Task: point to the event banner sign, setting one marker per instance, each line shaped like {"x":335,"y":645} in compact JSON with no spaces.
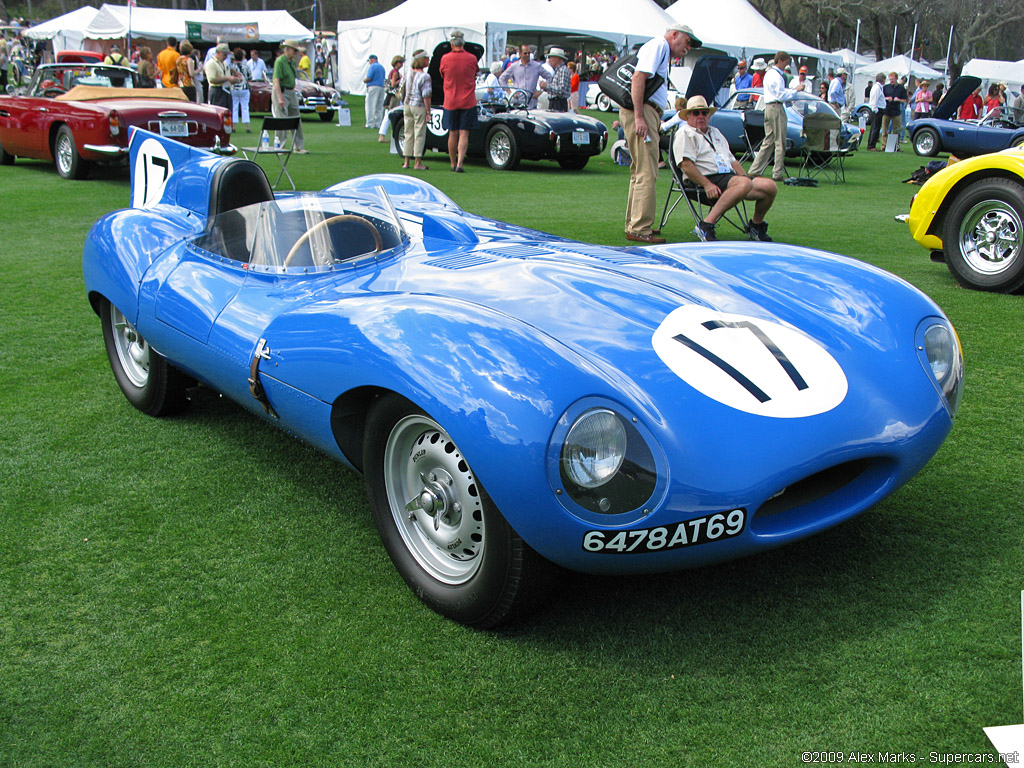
{"x":233,"y":33}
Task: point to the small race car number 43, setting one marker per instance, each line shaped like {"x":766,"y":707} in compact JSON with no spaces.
{"x":700,"y":530}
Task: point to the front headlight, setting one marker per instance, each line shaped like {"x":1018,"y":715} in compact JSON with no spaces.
{"x":605,"y":464}
{"x":942,"y":357}
{"x":594,"y":449}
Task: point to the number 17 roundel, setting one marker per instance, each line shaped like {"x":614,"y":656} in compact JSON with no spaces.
{"x":751,"y":364}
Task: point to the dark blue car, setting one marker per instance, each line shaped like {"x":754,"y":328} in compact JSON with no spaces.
{"x":942,"y":132}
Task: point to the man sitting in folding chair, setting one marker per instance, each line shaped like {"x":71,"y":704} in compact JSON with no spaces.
{"x":704,"y":157}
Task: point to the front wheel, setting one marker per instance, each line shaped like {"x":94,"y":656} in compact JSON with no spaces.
{"x":6,"y":158}
{"x":147,"y":380}
{"x":398,"y":135}
{"x":926,"y":142}
{"x":603,"y":103}
{"x":70,"y":164}
{"x":501,"y":149}
{"x":983,"y":236}
{"x":326,"y":117}
{"x":444,"y":535}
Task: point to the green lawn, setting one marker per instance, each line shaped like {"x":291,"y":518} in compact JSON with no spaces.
{"x":206,"y":591}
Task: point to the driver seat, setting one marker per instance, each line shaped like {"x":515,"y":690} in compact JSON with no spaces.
{"x":237,"y":183}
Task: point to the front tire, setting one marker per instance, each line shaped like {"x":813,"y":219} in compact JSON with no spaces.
{"x":501,"y":149}
{"x":983,"y":236}
{"x":326,"y":117}
{"x":603,"y":103}
{"x":926,"y":142}
{"x":70,"y":164}
{"x":145,"y":377}
{"x":398,"y":135}
{"x":6,"y":158}
{"x":444,"y":535}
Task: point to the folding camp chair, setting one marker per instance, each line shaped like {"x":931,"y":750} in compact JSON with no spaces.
{"x":821,"y":152}
{"x":696,"y":200}
{"x":284,"y":128}
{"x":753,"y":132}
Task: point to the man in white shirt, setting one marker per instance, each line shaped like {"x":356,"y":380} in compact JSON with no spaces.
{"x":775,"y":95}
{"x":876,"y":100}
{"x":257,"y":66}
{"x":704,"y":157}
{"x":641,"y":125}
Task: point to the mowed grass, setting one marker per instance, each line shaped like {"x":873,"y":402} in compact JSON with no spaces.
{"x":206,"y":591}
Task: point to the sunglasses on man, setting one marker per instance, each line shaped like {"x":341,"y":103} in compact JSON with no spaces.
{"x":700,"y":112}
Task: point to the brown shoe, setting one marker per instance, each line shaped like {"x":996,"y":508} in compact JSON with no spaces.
{"x":651,"y":239}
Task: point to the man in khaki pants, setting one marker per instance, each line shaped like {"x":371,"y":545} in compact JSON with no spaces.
{"x":775,"y":95}
{"x":641,"y":127}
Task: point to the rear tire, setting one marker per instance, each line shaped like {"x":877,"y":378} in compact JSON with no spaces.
{"x":443,"y":533}
{"x":501,"y":149}
{"x":145,"y":377}
{"x":983,"y":236}
{"x":70,"y":164}
{"x":6,"y":158}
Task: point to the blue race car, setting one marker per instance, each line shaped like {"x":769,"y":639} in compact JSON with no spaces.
{"x":516,"y":399}
{"x":942,"y":132}
{"x":729,"y":120}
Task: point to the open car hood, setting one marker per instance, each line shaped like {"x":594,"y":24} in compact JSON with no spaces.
{"x":436,"y":81}
{"x":710,"y":73}
{"x":955,"y":96}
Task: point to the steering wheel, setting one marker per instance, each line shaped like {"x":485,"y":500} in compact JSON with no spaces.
{"x":377,"y":241}
{"x":519,"y":98}
{"x":53,"y":90}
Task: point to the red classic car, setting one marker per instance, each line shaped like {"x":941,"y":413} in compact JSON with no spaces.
{"x":78,"y":113}
{"x":314,"y":98}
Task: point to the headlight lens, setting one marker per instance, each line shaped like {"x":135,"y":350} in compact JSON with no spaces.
{"x":594,"y":449}
{"x":606,"y":466}
{"x":944,"y":361}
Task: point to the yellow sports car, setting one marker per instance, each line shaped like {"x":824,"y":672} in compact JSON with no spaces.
{"x":971,"y":215}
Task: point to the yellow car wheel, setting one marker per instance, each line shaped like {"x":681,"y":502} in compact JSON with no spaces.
{"x":983,"y":235}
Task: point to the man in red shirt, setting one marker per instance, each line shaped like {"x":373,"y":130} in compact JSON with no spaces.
{"x":458,"y":70}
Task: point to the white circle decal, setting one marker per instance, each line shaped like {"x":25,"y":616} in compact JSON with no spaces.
{"x":434,"y":122}
{"x":749,"y":363}
{"x":150,"y":174}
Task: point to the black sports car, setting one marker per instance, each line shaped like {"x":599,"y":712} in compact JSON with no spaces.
{"x":508,"y":130}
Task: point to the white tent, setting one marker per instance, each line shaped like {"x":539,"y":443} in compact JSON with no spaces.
{"x":425,"y":23}
{"x":851,"y":59}
{"x":736,"y":27}
{"x":112,"y":23}
{"x":900,"y":64}
{"x":993,"y":71}
{"x":67,"y":31}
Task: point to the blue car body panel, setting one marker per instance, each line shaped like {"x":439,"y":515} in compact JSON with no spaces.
{"x":504,"y":335}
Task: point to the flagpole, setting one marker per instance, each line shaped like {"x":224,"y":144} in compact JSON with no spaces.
{"x":949,"y":50}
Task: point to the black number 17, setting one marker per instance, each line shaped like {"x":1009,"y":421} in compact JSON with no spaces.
{"x":747,"y":384}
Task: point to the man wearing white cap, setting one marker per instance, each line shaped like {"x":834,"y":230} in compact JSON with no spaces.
{"x":557,"y":86}
{"x":641,"y":125}
{"x":704,"y":157}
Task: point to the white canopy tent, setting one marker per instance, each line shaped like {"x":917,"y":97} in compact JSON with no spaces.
{"x":737,"y":28}
{"x":112,"y":23}
{"x":994,"y":71}
{"x":65,"y":32}
{"x":425,"y":23}
{"x":901,"y":65}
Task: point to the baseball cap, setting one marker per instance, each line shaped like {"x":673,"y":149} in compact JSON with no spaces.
{"x":695,"y":42}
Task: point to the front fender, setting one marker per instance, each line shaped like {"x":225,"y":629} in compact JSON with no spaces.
{"x":933,"y":199}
